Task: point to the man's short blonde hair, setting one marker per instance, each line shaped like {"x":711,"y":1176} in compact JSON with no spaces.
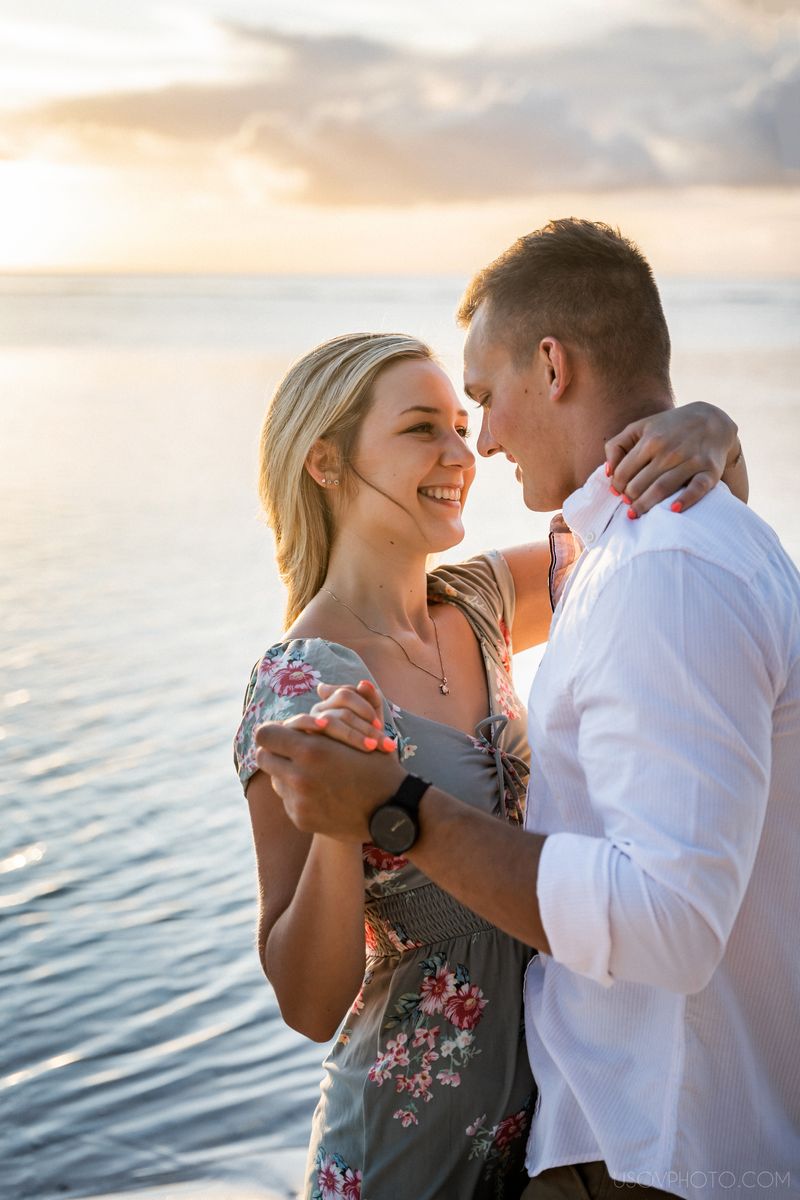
{"x":585,"y":284}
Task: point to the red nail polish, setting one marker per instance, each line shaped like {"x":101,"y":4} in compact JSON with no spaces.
{"x":632,"y":514}
{"x":614,"y":491}
{"x":370,"y":743}
{"x":626,"y":499}
{"x":389,"y":744}
{"x":376,"y":724}
{"x":676,"y":507}
{"x":321,"y":721}
{"x":608,"y":469}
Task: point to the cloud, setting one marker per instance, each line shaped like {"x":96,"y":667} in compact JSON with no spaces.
{"x":352,"y":121}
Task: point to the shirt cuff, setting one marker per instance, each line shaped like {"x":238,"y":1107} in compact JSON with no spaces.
{"x":573,"y":895}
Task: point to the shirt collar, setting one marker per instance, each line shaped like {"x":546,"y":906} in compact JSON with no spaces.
{"x":565,"y":550}
{"x":588,"y":511}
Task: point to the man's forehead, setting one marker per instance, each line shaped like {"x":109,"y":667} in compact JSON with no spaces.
{"x":471,"y":366}
{"x":482,"y":349}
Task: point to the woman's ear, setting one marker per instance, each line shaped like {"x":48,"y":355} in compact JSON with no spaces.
{"x":322,"y":464}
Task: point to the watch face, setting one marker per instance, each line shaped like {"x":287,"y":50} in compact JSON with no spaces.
{"x":392,"y":829}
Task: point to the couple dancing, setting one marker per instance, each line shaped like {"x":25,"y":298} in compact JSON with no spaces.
{"x":649,"y":906}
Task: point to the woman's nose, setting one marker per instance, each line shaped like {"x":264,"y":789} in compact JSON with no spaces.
{"x":458,"y":451}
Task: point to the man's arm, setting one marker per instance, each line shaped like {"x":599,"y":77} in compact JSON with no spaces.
{"x":331,"y":788}
{"x":489,"y":866}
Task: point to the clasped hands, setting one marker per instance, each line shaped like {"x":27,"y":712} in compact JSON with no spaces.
{"x":334,"y":765}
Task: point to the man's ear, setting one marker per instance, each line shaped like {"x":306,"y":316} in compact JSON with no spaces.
{"x":322,"y":464}
{"x":556,"y":361}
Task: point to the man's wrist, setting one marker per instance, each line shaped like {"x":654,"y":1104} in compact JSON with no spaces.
{"x":394,"y":824}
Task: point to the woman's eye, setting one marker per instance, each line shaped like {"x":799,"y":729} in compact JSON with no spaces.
{"x":428,"y":427}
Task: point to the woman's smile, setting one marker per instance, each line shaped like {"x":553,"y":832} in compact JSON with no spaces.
{"x":450,"y":497}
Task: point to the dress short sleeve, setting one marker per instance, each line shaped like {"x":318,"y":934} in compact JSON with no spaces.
{"x":484,"y":587}
{"x":284,"y":683}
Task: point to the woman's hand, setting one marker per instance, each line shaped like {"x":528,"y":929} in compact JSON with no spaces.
{"x":690,"y":447}
{"x":352,"y":715}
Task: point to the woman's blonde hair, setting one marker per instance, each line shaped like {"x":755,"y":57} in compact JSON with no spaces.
{"x":325,"y":394}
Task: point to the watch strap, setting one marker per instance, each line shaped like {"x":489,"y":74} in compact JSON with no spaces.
{"x":400,"y":834}
{"x":409,"y":795}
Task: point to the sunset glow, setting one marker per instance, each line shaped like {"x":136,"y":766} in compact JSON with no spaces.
{"x":334,"y":138}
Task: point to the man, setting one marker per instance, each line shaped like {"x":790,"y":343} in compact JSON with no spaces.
{"x":657,"y":876}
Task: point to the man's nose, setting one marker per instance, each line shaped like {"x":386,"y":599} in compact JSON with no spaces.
{"x":487,"y":446}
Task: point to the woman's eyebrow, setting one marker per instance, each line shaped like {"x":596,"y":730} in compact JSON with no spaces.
{"x":425,"y":408}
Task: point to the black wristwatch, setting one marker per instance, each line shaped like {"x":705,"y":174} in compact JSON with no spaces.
{"x":394,"y":825}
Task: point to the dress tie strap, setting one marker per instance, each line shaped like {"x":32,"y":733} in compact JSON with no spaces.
{"x":512,"y":771}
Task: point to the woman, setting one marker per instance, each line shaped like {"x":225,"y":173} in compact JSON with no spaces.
{"x":364,"y":473}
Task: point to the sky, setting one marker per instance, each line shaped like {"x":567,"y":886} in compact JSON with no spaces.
{"x":322,"y":136}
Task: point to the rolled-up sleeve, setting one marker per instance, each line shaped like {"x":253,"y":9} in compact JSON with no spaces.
{"x":674,"y":694}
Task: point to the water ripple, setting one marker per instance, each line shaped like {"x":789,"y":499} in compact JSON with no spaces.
{"x":23,"y":857}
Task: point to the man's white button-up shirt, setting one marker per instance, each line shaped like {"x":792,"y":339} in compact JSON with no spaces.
{"x":664,"y":720}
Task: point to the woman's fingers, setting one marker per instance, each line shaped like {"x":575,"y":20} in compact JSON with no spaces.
{"x":346,"y":715}
{"x":353,"y":715}
{"x":652,"y":459}
{"x":304,"y":722}
{"x":651,"y":486}
{"x":342,"y":726}
{"x":621,"y":445}
{"x":700,"y":485}
{"x":349,"y":698}
{"x":330,"y":718}
{"x":364,"y":700}
{"x":651,"y":454}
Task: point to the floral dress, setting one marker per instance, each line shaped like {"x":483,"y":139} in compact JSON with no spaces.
{"x":428,"y":1091}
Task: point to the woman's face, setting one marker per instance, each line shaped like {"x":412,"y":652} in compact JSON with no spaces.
{"x":412,"y":449}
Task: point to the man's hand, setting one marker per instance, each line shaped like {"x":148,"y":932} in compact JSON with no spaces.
{"x":325,"y":787}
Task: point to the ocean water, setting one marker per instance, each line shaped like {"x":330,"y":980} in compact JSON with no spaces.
{"x":141,"y":1044}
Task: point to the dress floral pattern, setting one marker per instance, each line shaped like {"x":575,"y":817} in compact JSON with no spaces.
{"x":428,"y":1091}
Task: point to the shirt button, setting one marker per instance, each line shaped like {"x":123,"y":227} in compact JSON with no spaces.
{"x":590,"y":537}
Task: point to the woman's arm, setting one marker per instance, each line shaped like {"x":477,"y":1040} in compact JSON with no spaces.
{"x":311,"y":916}
{"x":530,"y":569}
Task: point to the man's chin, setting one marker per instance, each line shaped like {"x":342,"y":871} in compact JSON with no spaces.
{"x":535,"y":500}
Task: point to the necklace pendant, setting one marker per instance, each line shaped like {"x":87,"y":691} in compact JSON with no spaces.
{"x":444,"y":689}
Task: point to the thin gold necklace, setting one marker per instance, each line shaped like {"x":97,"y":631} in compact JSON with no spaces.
{"x":441,"y":679}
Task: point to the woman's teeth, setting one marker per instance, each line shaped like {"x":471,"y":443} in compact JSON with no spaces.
{"x":439,"y":493}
